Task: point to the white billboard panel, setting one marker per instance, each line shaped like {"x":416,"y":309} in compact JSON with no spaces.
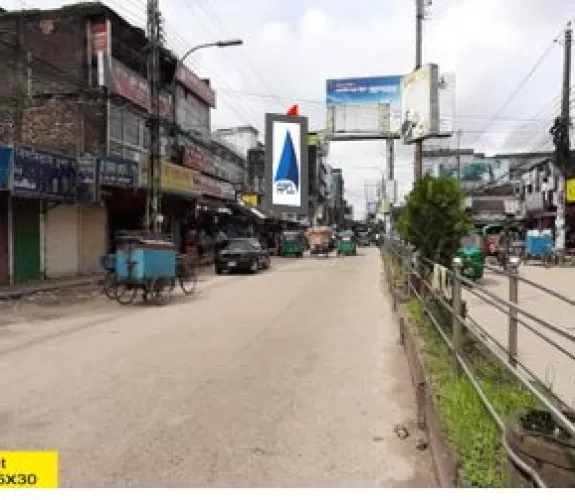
{"x":420,"y":104}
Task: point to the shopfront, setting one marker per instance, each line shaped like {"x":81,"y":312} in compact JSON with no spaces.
{"x":92,"y":218}
{"x":180,"y":190}
{"x":5,"y":214}
{"x":44,"y":224}
{"x":124,"y":202}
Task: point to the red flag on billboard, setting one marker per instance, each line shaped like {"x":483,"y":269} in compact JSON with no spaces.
{"x":294,"y":110}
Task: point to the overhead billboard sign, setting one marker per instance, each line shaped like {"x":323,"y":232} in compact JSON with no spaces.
{"x":286,"y":163}
{"x":420,"y":104}
{"x":364,"y":105}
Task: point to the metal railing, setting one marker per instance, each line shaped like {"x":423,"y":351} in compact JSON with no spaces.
{"x":405,"y":265}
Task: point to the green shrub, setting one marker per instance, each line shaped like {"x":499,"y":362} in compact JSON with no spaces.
{"x":466,"y":423}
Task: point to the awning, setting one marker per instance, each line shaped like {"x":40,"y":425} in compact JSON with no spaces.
{"x":258,"y":214}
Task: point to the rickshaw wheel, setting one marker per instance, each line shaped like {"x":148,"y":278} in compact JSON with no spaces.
{"x":161,"y":291}
{"x":109,"y":285}
{"x":125,"y":294}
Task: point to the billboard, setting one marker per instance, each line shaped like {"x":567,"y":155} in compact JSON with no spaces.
{"x":286,"y":163}
{"x":420,"y":104}
{"x":446,"y":101}
{"x":364,"y":105}
{"x":474,"y":171}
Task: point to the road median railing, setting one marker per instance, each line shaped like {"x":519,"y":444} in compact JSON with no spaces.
{"x":501,"y":424}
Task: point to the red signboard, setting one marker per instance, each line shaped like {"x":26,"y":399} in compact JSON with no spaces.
{"x":216,"y":188}
{"x":100,"y":36}
{"x":127,"y":83}
{"x":198,"y":159}
{"x":196,"y":85}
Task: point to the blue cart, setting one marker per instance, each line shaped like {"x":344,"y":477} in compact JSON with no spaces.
{"x":147,"y":264}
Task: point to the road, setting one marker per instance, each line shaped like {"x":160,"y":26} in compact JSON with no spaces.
{"x":554,"y":368}
{"x":291,"y":377}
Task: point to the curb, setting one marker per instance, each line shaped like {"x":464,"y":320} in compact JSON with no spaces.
{"x":443,"y":455}
{"x":46,"y":286}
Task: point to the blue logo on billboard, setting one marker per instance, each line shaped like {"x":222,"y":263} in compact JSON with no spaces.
{"x":287,"y":174}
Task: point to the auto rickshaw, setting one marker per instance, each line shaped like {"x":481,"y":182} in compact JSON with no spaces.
{"x":292,"y":243}
{"x":319,"y":238}
{"x":346,"y":244}
{"x":472,"y":255}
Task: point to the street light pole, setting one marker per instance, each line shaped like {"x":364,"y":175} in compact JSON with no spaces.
{"x":219,"y":44}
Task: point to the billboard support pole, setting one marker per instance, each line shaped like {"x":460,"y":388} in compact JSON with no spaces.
{"x":418,"y":151}
{"x":390,"y":161}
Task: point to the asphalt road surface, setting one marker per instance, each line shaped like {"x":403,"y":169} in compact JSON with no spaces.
{"x":292,"y":377}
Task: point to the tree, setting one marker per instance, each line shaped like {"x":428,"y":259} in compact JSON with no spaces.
{"x":434,"y":219}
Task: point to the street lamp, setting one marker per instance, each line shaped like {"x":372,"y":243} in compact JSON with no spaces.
{"x":219,"y":44}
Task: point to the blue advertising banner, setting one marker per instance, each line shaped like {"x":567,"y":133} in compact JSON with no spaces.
{"x":6,"y":155}
{"x":40,"y":174}
{"x":86,"y":181}
{"x":366,"y":90}
{"x":118,"y":172}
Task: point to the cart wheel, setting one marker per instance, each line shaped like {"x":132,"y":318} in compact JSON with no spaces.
{"x":188,"y":278}
{"x":109,"y":285}
{"x":125,"y":294}
{"x":161,"y":291}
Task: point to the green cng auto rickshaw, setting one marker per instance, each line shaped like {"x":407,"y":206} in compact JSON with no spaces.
{"x":472,"y":255}
{"x":346,"y":244}
{"x":292,"y":243}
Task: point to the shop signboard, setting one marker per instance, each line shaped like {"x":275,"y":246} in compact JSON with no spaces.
{"x":250,"y":199}
{"x":198,"y":158}
{"x":40,"y":174}
{"x":196,"y":85}
{"x":86,"y":183}
{"x":569,"y":190}
{"x":6,"y":156}
{"x":177,"y":179}
{"x":135,"y":88}
{"x":118,"y":172}
{"x":216,"y":188}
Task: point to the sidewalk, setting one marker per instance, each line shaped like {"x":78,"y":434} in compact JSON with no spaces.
{"x":14,"y":292}
{"x":11,"y":292}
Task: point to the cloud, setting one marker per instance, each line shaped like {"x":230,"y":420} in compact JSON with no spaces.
{"x":291,"y":48}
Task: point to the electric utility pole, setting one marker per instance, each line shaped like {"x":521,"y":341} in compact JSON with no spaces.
{"x":419,"y":16}
{"x":560,"y":132}
{"x":155,"y":170}
{"x":390,"y":174}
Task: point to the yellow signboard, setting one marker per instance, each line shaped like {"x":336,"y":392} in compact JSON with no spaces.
{"x":28,"y":469}
{"x":570,"y":190}
{"x":312,"y":139}
{"x":251,"y":200}
{"x":174,"y":178}
{"x":384,"y":207}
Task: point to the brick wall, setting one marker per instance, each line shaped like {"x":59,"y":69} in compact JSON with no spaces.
{"x":53,"y":51}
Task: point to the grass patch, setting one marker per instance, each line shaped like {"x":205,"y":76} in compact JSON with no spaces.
{"x":464,"y":420}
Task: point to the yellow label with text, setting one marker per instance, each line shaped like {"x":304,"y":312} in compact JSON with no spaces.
{"x":28,"y":469}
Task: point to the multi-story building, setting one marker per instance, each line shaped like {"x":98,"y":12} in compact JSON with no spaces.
{"x":338,"y":196}
{"x":76,"y":100}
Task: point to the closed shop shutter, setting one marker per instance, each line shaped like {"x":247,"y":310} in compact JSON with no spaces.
{"x":61,"y":250}
{"x":93,"y":237}
{"x":26,"y":240}
{"x":4,"y":235}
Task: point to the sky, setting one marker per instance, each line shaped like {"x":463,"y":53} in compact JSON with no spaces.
{"x":508,"y":67}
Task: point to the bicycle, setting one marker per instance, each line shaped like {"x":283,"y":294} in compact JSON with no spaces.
{"x":186,"y":274}
{"x":110,"y":282}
